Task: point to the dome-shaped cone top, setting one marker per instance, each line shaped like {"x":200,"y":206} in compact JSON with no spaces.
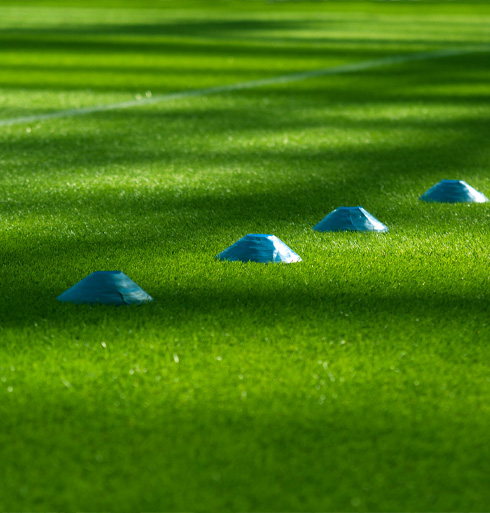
{"x":350,"y":219}
{"x":259,"y":248}
{"x":106,"y":288}
{"x":453,"y":191}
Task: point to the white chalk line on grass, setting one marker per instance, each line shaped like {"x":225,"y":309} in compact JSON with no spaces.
{"x":284,"y":79}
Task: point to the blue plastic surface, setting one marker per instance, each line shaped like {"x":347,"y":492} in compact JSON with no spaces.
{"x":350,"y":219}
{"x":259,"y":248}
{"x":107,"y":288}
{"x":453,"y":191}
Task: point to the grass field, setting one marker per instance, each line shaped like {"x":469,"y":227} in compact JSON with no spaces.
{"x":356,"y":380}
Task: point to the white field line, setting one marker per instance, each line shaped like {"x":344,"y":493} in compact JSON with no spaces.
{"x":284,"y":79}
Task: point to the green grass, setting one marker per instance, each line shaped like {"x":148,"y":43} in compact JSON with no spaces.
{"x":356,"y":380}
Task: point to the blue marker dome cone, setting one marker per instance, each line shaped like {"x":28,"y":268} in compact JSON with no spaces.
{"x":259,"y":248}
{"x":350,"y":219}
{"x":453,"y":191}
{"x":106,"y":288}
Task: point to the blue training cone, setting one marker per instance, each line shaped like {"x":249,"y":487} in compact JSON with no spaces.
{"x":453,"y":191}
{"x":106,"y":288}
{"x":259,"y":248}
{"x":350,"y":219}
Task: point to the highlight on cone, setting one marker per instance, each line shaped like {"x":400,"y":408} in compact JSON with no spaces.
{"x":105,"y":288}
{"x":259,"y":248}
{"x":350,"y":219}
{"x":453,"y":191}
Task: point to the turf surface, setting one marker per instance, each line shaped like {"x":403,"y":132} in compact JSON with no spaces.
{"x":356,"y":380}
